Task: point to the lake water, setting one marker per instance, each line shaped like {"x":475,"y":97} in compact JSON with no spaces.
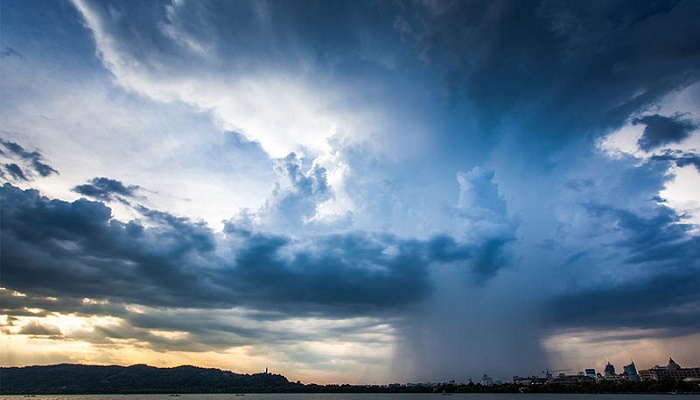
{"x":379,"y":396}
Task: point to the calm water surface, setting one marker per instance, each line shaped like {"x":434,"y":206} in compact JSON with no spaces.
{"x":421,"y":396}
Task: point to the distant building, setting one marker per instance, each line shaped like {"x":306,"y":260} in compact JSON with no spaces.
{"x":609,"y":370}
{"x":610,"y":375}
{"x":630,"y":373}
{"x":672,"y":365}
{"x":590,"y":372}
{"x":486,"y":380}
{"x":671,"y":371}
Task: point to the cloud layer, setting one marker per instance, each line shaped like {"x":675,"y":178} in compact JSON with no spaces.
{"x":56,"y":248}
{"x":385,"y":191}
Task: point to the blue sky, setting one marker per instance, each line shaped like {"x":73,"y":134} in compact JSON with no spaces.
{"x":359,"y":192}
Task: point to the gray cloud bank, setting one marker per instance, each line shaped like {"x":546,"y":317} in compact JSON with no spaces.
{"x":662,"y":295}
{"x":57,"y":248}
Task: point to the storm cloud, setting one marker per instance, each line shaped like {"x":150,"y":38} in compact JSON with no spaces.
{"x":679,"y":157}
{"x":56,"y":248}
{"x":660,"y":130}
{"x":661,"y":293}
{"x":391,"y":190}
{"x":30,"y":160}
{"x":105,"y":189}
{"x":516,"y":61}
{"x":16,"y":172}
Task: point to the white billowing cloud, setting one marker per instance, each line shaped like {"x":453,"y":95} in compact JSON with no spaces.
{"x":282,"y":110}
{"x":305,"y":197}
{"x":286,"y":107}
{"x":622,"y":142}
{"x":297,"y":194}
{"x":680,"y":191}
{"x":481,"y":208}
{"x":85,"y":128}
{"x":340,"y":206}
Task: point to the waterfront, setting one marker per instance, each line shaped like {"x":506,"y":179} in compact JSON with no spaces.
{"x":368,"y":396}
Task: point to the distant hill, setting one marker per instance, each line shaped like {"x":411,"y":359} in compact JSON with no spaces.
{"x":76,"y":378}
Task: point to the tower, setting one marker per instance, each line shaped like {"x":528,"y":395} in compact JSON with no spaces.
{"x":672,"y":365}
{"x":609,"y":370}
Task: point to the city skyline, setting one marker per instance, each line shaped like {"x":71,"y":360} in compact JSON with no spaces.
{"x":357,"y":192}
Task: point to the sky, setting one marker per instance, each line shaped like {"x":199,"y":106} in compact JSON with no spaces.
{"x":350,"y":191}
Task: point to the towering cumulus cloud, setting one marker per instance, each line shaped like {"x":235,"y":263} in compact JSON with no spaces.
{"x":351,"y":191}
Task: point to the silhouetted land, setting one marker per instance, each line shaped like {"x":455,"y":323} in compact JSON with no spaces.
{"x":89,"y":379}
{"x":72,"y":378}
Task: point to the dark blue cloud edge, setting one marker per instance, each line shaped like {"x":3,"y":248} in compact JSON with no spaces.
{"x":660,"y":130}
{"x":595,"y":63}
{"x":33,"y":161}
{"x":664,"y":294}
{"x":106,"y":189}
{"x":77,"y":250}
{"x":679,"y":157}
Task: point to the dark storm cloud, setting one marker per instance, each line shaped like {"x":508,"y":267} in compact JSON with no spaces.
{"x":660,"y":130}
{"x":347,"y":273}
{"x":667,"y":301}
{"x":590,"y":62}
{"x":491,"y":256}
{"x":33,"y":158}
{"x":76,"y":250}
{"x":319,"y":34}
{"x":541,"y":71}
{"x":105,"y":189}
{"x":680,"y":158}
{"x":662,"y":293}
{"x":18,"y":150}
{"x":43,"y":169}
{"x":662,"y":238}
{"x":445,"y":249}
{"x":553,"y":70}
{"x":16,"y":172}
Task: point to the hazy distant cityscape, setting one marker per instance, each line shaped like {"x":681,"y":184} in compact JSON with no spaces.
{"x":671,"y":371}
{"x":140,"y":378}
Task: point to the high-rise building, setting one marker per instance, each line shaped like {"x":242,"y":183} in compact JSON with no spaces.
{"x":486,"y":380}
{"x":609,"y":370}
{"x":630,"y":372}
